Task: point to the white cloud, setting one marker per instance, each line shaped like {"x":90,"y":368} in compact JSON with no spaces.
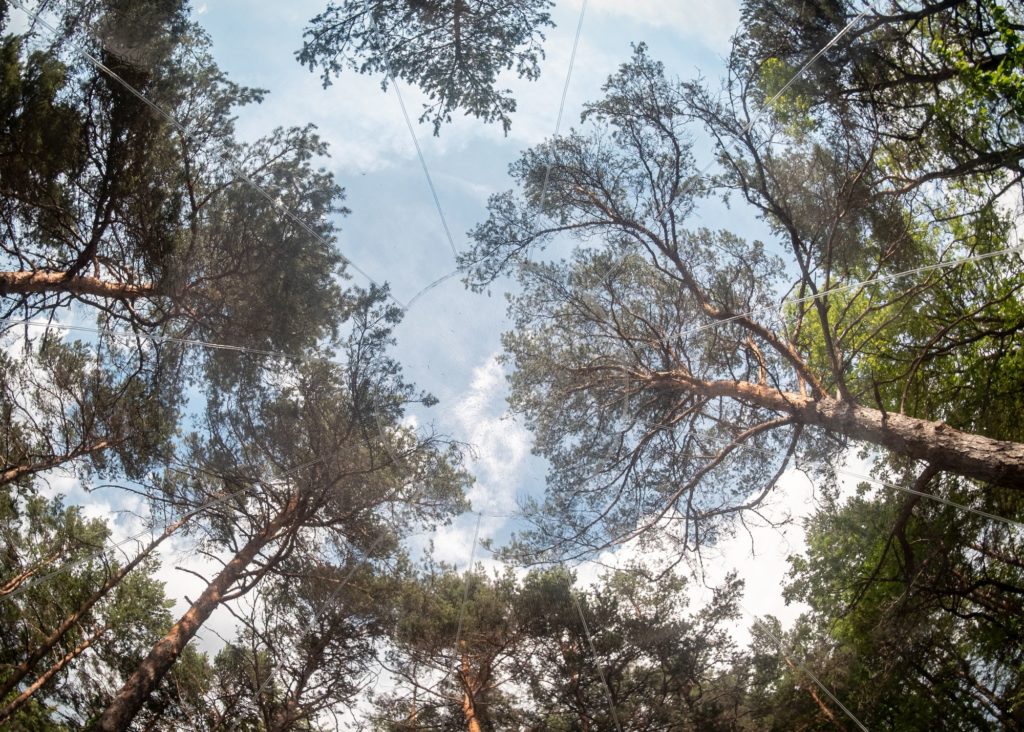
{"x":500,"y":444}
{"x":499,"y":449}
{"x":757,"y":550}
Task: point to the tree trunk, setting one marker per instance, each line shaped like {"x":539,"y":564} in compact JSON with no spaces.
{"x":57,"y":281}
{"x":817,"y":699}
{"x":468,"y":697}
{"x":972,"y":456}
{"x":132,"y":695}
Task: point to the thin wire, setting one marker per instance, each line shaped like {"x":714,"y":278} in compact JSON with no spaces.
{"x":806,"y":65}
{"x":190,"y":470}
{"x":853,"y":286}
{"x":150,"y":337}
{"x":412,"y":131}
{"x":561,"y":106}
{"x":235,"y":167}
{"x":597,"y":661}
{"x":715,"y":324}
{"x":796,"y":662}
{"x":686,"y":332}
{"x":940,"y":499}
{"x":431,"y":286}
{"x":769,"y":102}
{"x":465,"y":591}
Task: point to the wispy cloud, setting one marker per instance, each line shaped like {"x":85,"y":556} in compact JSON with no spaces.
{"x":499,"y":448}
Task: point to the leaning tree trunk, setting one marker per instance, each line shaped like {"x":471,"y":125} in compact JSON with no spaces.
{"x":973,"y":456}
{"x":33,"y":281}
{"x":132,"y":695}
{"x":52,"y":671}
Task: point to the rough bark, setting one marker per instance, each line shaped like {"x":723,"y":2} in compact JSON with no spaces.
{"x":132,"y":695}
{"x":35,"y":281}
{"x":973,"y":456}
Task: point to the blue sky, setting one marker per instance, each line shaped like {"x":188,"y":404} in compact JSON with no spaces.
{"x":450,"y":337}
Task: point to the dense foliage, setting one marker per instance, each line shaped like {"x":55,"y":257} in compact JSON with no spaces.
{"x":176,"y":343}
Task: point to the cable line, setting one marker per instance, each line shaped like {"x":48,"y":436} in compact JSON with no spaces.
{"x":597,"y":661}
{"x":408,"y":125}
{"x":561,"y":105}
{"x":127,"y":334}
{"x":932,"y":496}
{"x":796,"y":662}
{"x":465,"y":592}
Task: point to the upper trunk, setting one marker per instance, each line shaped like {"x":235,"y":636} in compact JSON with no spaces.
{"x":132,"y":695}
{"x":58,"y":281}
{"x":948,"y":449}
{"x":470,"y":688}
{"x":52,"y":671}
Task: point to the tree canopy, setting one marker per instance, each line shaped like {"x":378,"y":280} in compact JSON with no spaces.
{"x":671,"y":372}
{"x":453,"y":50}
{"x":237,"y":400}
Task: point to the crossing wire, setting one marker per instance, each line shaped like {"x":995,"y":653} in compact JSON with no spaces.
{"x":945,"y":501}
{"x":597,"y":661}
{"x":810,"y":674}
{"x":465,"y":589}
{"x":561,"y":105}
{"x":408,"y":125}
{"x":686,"y":332}
{"x":390,"y":448}
{"x":130,"y":335}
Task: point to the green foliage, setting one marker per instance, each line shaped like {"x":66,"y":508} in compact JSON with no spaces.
{"x":921,"y":605}
{"x":41,"y":136}
{"x":524,"y":660}
{"x":52,"y":566}
{"x":939,"y":84}
{"x":63,"y":408}
{"x":121,"y":195}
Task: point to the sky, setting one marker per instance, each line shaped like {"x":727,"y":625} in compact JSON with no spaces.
{"x":449,"y":341}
